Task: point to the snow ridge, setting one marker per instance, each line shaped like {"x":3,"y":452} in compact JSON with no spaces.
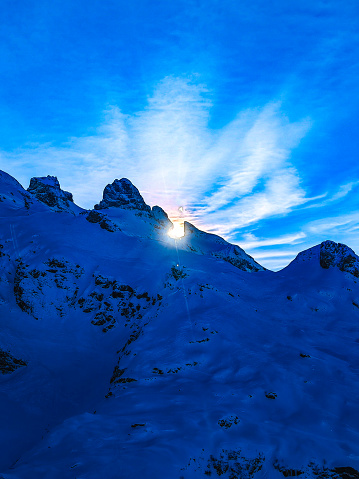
{"x":209,"y":244}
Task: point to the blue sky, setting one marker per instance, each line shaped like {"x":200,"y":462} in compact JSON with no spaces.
{"x":243,"y":112}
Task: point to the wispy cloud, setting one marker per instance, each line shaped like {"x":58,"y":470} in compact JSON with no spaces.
{"x":251,"y":241}
{"x":224,"y":179}
{"x":329,"y":198}
{"x":332,"y":225}
{"x":344,"y":190}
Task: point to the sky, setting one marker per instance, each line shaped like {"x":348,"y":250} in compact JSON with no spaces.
{"x":243,"y":113}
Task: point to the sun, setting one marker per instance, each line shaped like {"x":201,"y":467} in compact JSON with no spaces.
{"x":177,"y":231}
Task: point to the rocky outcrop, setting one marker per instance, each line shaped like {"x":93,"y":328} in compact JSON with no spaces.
{"x":338,"y":255}
{"x":330,"y":255}
{"x":234,"y":465}
{"x":47,"y":190}
{"x":122,"y":194}
{"x":9,"y":363}
{"x":48,"y":290}
{"x":101,"y":219}
{"x":346,"y":472}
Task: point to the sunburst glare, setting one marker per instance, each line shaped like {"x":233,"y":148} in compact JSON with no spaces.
{"x":177,"y":231}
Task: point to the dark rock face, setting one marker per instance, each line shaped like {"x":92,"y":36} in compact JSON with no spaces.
{"x":320,"y":472}
{"x":19,"y":290}
{"x":56,"y":274}
{"x":234,"y":465}
{"x":9,"y":363}
{"x":346,"y":472}
{"x":97,"y":217}
{"x":338,"y":255}
{"x":122,"y":194}
{"x":271,"y":395}
{"x":47,"y":190}
{"x":227,"y":422}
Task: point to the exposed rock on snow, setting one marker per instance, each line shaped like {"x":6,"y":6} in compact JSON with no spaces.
{"x":330,"y":255}
{"x":122,"y":194}
{"x":9,"y":363}
{"x":234,"y":465}
{"x":124,"y":203}
{"x":47,"y":190}
{"x":228,"y":421}
{"x":319,"y":472}
{"x":105,"y":223}
{"x":339,"y":255}
{"x":209,"y":244}
{"x":346,"y":472}
{"x":48,"y":290}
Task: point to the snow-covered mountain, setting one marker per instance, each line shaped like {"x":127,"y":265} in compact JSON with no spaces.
{"x":209,"y":244}
{"x":125,"y":353}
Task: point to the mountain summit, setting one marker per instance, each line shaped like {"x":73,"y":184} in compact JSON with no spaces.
{"x":329,"y":255}
{"x":122,"y":194}
{"x":47,"y":190}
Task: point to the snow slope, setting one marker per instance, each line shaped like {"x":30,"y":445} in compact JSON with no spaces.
{"x":209,"y":244}
{"x":127,"y":354}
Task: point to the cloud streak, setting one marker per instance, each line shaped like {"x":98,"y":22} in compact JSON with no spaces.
{"x":252,"y":241}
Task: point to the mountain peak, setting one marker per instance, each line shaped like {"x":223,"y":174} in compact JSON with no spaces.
{"x":12,"y":194}
{"x":6,"y":179}
{"x":122,"y":194}
{"x":191,"y":230}
{"x":45,"y":180}
{"x":47,"y":190}
{"x":330,"y":254}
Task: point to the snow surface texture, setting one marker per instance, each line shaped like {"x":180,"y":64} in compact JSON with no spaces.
{"x":125,"y":353}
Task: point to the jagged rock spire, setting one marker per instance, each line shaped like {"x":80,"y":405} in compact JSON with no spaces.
{"x":47,"y":190}
{"x":122,"y":194}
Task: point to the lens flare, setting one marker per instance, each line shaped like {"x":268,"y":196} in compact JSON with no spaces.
{"x":177,"y":231}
